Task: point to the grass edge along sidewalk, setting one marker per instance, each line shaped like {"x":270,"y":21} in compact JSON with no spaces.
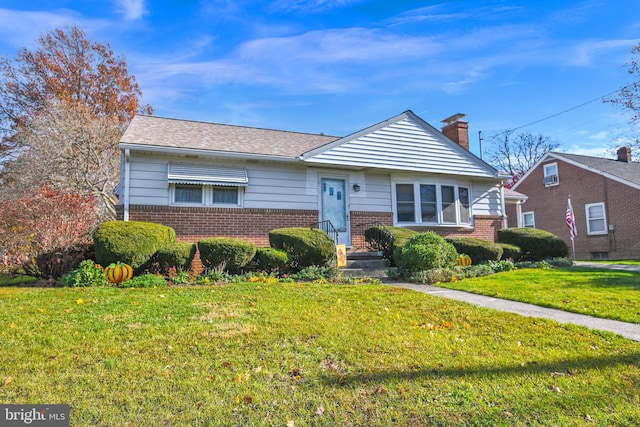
{"x":597,"y":292}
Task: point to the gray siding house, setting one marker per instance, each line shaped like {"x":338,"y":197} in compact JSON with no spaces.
{"x":207,"y":179}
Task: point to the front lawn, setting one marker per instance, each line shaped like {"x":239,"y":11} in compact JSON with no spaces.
{"x":610,"y":294}
{"x":305,"y":354}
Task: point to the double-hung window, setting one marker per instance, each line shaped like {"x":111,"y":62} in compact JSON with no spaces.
{"x":550,"y":174}
{"x":528,"y":220}
{"x":432,"y":204}
{"x":596,"y":218}
{"x":206,"y":185}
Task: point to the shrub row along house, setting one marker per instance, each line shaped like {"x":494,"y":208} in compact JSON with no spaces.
{"x":605,"y":196}
{"x":206,"y":179}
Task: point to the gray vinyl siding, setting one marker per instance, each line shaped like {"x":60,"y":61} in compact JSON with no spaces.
{"x":485,"y":199}
{"x":290,"y":186}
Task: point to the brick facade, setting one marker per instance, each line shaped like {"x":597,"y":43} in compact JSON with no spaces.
{"x":549,"y":205}
{"x":195,"y":223}
{"x":485,"y":227}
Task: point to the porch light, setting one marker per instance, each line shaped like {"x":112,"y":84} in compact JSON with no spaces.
{"x":356,"y":187}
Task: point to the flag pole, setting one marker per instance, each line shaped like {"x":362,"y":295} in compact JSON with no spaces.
{"x":571,"y":223}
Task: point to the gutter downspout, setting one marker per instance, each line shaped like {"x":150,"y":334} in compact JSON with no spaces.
{"x":127,"y":173}
{"x":502,"y":206}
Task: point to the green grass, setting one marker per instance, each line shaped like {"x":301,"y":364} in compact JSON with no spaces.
{"x":306,"y":355}
{"x":611,"y":294}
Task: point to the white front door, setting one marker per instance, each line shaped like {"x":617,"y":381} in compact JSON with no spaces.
{"x":334,"y":207}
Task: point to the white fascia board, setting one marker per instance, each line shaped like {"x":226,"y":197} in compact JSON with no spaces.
{"x":204,"y":153}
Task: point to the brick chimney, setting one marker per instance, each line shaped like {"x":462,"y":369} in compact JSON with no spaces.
{"x":457,"y":129}
{"x":624,"y":154}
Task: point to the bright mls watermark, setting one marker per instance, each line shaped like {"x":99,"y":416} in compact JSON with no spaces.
{"x":34,"y":415}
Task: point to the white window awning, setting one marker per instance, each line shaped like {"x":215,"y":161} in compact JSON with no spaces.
{"x":207,"y":175}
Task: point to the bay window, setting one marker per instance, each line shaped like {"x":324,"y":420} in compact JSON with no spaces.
{"x":439,"y":204}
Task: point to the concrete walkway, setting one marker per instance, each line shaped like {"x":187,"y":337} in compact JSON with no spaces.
{"x":610,"y":265}
{"x":627,"y":330}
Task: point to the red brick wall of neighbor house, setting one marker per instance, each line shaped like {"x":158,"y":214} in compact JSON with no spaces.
{"x":549,"y":205}
{"x":512,"y":215}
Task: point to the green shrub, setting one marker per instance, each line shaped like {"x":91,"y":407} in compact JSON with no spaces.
{"x":316,"y":272}
{"x":305,"y":246}
{"x":131,"y":242}
{"x":88,"y":273}
{"x":178,"y":255}
{"x":502,"y":265}
{"x":425,"y":251}
{"x":145,"y":281}
{"x":535,"y":244}
{"x":272,"y":260}
{"x":479,"y":250}
{"x":226,"y":253}
{"x":379,"y":240}
{"x":511,"y":252}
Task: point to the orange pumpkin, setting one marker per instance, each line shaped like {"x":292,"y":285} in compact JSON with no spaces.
{"x":118,"y":272}
{"x":464,"y":260}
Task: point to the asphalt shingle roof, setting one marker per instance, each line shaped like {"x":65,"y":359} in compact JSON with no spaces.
{"x":174,"y":133}
{"x":628,"y":171}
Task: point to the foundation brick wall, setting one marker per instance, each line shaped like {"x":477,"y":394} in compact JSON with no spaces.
{"x":622,"y":208}
{"x":485,"y":227}
{"x":195,"y":223}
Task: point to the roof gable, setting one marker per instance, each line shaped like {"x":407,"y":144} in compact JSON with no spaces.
{"x":405,"y":142}
{"x":624,"y":172}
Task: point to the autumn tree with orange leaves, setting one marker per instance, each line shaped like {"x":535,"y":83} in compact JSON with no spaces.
{"x":63,"y":108}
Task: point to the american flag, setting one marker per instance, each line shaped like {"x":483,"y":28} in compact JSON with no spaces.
{"x":571,"y":221}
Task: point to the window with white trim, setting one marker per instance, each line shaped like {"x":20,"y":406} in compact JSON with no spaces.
{"x":550,"y":174}
{"x":205,"y":195}
{"x":187,"y":193}
{"x":596,"y":218}
{"x":528,"y":220}
{"x":432,"y":204}
{"x":206,"y":185}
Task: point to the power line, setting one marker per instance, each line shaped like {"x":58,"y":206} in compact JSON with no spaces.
{"x":569,"y":109}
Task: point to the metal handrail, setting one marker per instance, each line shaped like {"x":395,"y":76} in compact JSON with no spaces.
{"x":377,"y":236}
{"x":328,"y":228}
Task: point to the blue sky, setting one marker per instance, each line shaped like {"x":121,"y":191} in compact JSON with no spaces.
{"x":337,"y":66}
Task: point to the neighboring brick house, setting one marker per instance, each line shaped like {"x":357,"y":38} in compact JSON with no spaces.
{"x":207,"y":179}
{"x":605,"y":195}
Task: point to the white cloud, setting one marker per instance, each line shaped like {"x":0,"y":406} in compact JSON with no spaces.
{"x":310,"y":6}
{"x":600,"y":135}
{"x":131,"y":9}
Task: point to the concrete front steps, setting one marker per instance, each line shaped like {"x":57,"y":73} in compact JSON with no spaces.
{"x":366,"y":264}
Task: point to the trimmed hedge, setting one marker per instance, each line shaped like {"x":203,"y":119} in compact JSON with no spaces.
{"x":305,"y":246}
{"x":131,"y":242}
{"x":535,"y":244}
{"x":271,"y":260}
{"x":377,"y":238}
{"x":479,"y":250}
{"x":179,"y":255}
{"x":510,"y":251}
{"x":229,"y":253}
{"x":425,"y":251}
